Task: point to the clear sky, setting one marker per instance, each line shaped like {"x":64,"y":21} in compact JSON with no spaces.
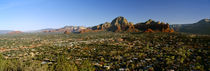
{"x":25,"y":15}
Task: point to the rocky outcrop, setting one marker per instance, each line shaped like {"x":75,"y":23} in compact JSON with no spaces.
{"x":15,"y":32}
{"x":154,"y":26}
{"x":104,"y":26}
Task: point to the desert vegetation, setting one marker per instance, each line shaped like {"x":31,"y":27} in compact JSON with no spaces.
{"x":104,"y":51}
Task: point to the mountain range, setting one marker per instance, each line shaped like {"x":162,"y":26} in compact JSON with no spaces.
{"x":121,"y":24}
{"x":5,"y":31}
{"x":200,"y":27}
{"x":66,"y":28}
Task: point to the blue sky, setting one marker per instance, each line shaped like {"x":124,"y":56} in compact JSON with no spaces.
{"x":26,"y":15}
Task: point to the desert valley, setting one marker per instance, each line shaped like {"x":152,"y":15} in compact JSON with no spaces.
{"x":119,"y":45}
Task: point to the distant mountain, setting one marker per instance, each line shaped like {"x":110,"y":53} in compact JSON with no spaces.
{"x":204,"y":21}
{"x":65,"y":29}
{"x":120,"y":24}
{"x":4,"y":31}
{"x":15,"y":32}
{"x":201,"y":27}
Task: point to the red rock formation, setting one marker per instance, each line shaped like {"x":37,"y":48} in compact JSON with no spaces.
{"x":120,"y":24}
{"x":15,"y":32}
{"x":104,"y":26}
{"x":154,"y":26}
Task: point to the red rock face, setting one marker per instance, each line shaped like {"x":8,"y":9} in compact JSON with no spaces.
{"x":118,"y":29}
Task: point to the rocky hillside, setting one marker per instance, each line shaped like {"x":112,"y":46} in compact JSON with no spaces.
{"x":66,"y":29}
{"x":201,"y":27}
{"x":120,"y":24}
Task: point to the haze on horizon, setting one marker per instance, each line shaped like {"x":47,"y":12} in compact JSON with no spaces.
{"x":26,"y":15}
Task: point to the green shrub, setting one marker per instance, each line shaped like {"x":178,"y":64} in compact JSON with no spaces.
{"x":63,"y":65}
